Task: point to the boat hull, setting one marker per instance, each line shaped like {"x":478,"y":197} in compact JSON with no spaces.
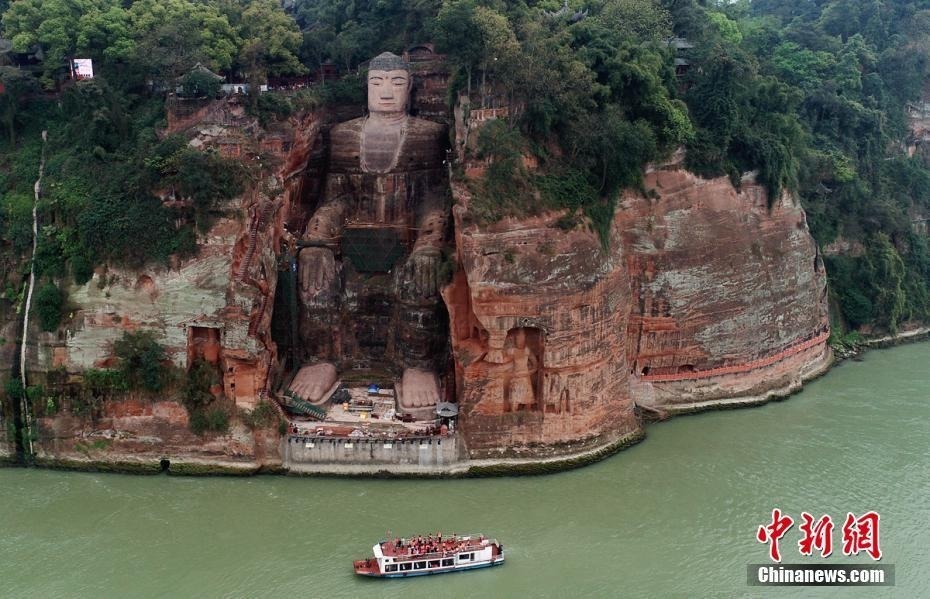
{"x":449,"y":570}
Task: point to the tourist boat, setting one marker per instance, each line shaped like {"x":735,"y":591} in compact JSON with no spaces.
{"x":420,"y":556}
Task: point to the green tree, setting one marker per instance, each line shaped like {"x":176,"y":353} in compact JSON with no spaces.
{"x":200,"y":83}
{"x":142,"y":360}
{"x":640,"y":20}
{"x":728,"y":29}
{"x":106,"y":33}
{"x":886,"y":273}
{"x":50,"y":301}
{"x":64,"y":28}
{"x":452,"y":30}
{"x":174,"y":35}
{"x":17,"y":87}
{"x":270,"y":41}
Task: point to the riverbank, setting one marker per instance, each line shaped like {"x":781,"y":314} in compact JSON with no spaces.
{"x":910,"y":336}
{"x":460,"y":468}
{"x":470,"y":468}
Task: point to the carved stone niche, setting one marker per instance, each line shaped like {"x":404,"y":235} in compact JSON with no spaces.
{"x":203,"y":343}
{"x":523,"y":364}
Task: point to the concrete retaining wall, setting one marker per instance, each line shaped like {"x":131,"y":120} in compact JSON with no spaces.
{"x":414,"y":452}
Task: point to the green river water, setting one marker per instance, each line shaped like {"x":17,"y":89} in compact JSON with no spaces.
{"x":674,"y":516}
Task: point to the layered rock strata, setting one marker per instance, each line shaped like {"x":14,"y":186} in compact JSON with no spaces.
{"x":538,"y":321}
{"x":713,"y":295}
{"x":724,"y":288}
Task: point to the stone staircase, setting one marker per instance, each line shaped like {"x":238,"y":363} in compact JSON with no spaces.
{"x":262,"y":218}
{"x":303,"y":407}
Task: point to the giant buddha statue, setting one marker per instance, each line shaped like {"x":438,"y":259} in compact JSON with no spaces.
{"x":369,"y":267}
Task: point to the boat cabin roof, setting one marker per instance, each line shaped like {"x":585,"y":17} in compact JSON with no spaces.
{"x":401,"y":549}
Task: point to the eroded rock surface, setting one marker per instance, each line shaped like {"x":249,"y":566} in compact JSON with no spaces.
{"x":705,"y":294}
{"x":538,"y":321}
{"x":717,"y":278}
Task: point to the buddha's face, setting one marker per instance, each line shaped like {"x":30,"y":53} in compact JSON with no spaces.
{"x":388,"y":91}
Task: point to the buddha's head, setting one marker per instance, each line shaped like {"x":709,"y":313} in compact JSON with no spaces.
{"x":389,"y":84}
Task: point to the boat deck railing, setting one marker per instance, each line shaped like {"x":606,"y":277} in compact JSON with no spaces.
{"x":471,"y":545}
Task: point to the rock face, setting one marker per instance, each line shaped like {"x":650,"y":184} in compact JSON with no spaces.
{"x":718,"y":280}
{"x":538,"y":321}
{"x":218,"y":302}
{"x":216,"y":305}
{"x":704,"y":295}
{"x":148,"y":432}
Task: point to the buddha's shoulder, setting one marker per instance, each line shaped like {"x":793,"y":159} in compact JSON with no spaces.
{"x":425,"y":128}
{"x":431,"y":137}
{"x":351,"y":128}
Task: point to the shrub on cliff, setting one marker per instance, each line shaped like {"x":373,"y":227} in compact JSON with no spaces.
{"x":143,"y":361}
{"x":205,"y":412}
{"x":212,"y":419}
{"x":263,"y":416}
{"x":271,"y":107}
{"x":50,"y":301}
{"x":105,"y":383}
{"x":200,"y":378}
{"x":200,"y":83}
{"x":350,"y":90}
{"x":204,"y":178}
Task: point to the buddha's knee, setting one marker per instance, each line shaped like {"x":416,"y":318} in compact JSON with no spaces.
{"x":316,"y":274}
{"x":420,"y":277}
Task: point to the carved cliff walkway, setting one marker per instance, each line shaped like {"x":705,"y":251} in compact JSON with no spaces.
{"x":261,"y":219}
{"x":740,"y":368}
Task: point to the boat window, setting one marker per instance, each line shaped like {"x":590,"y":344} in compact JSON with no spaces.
{"x":406,"y":566}
{"x":419,"y":565}
{"x":464,"y":557}
{"x":390,"y":568}
{"x":434,"y":564}
{"x":448,"y":562}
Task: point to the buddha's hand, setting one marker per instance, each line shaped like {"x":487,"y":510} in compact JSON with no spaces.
{"x":419,"y":277}
{"x":316,"y":274}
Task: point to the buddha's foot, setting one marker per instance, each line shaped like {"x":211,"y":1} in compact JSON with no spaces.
{"x":420,"y":388}
{"x":312,"y":382}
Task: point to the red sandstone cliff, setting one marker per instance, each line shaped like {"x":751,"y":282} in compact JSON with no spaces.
{"x":705,"y":294}
{"x":724,"y":289}
{"x":568,"y":300}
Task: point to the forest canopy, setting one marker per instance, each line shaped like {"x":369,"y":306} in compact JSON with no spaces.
{"x":812,"y":95}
